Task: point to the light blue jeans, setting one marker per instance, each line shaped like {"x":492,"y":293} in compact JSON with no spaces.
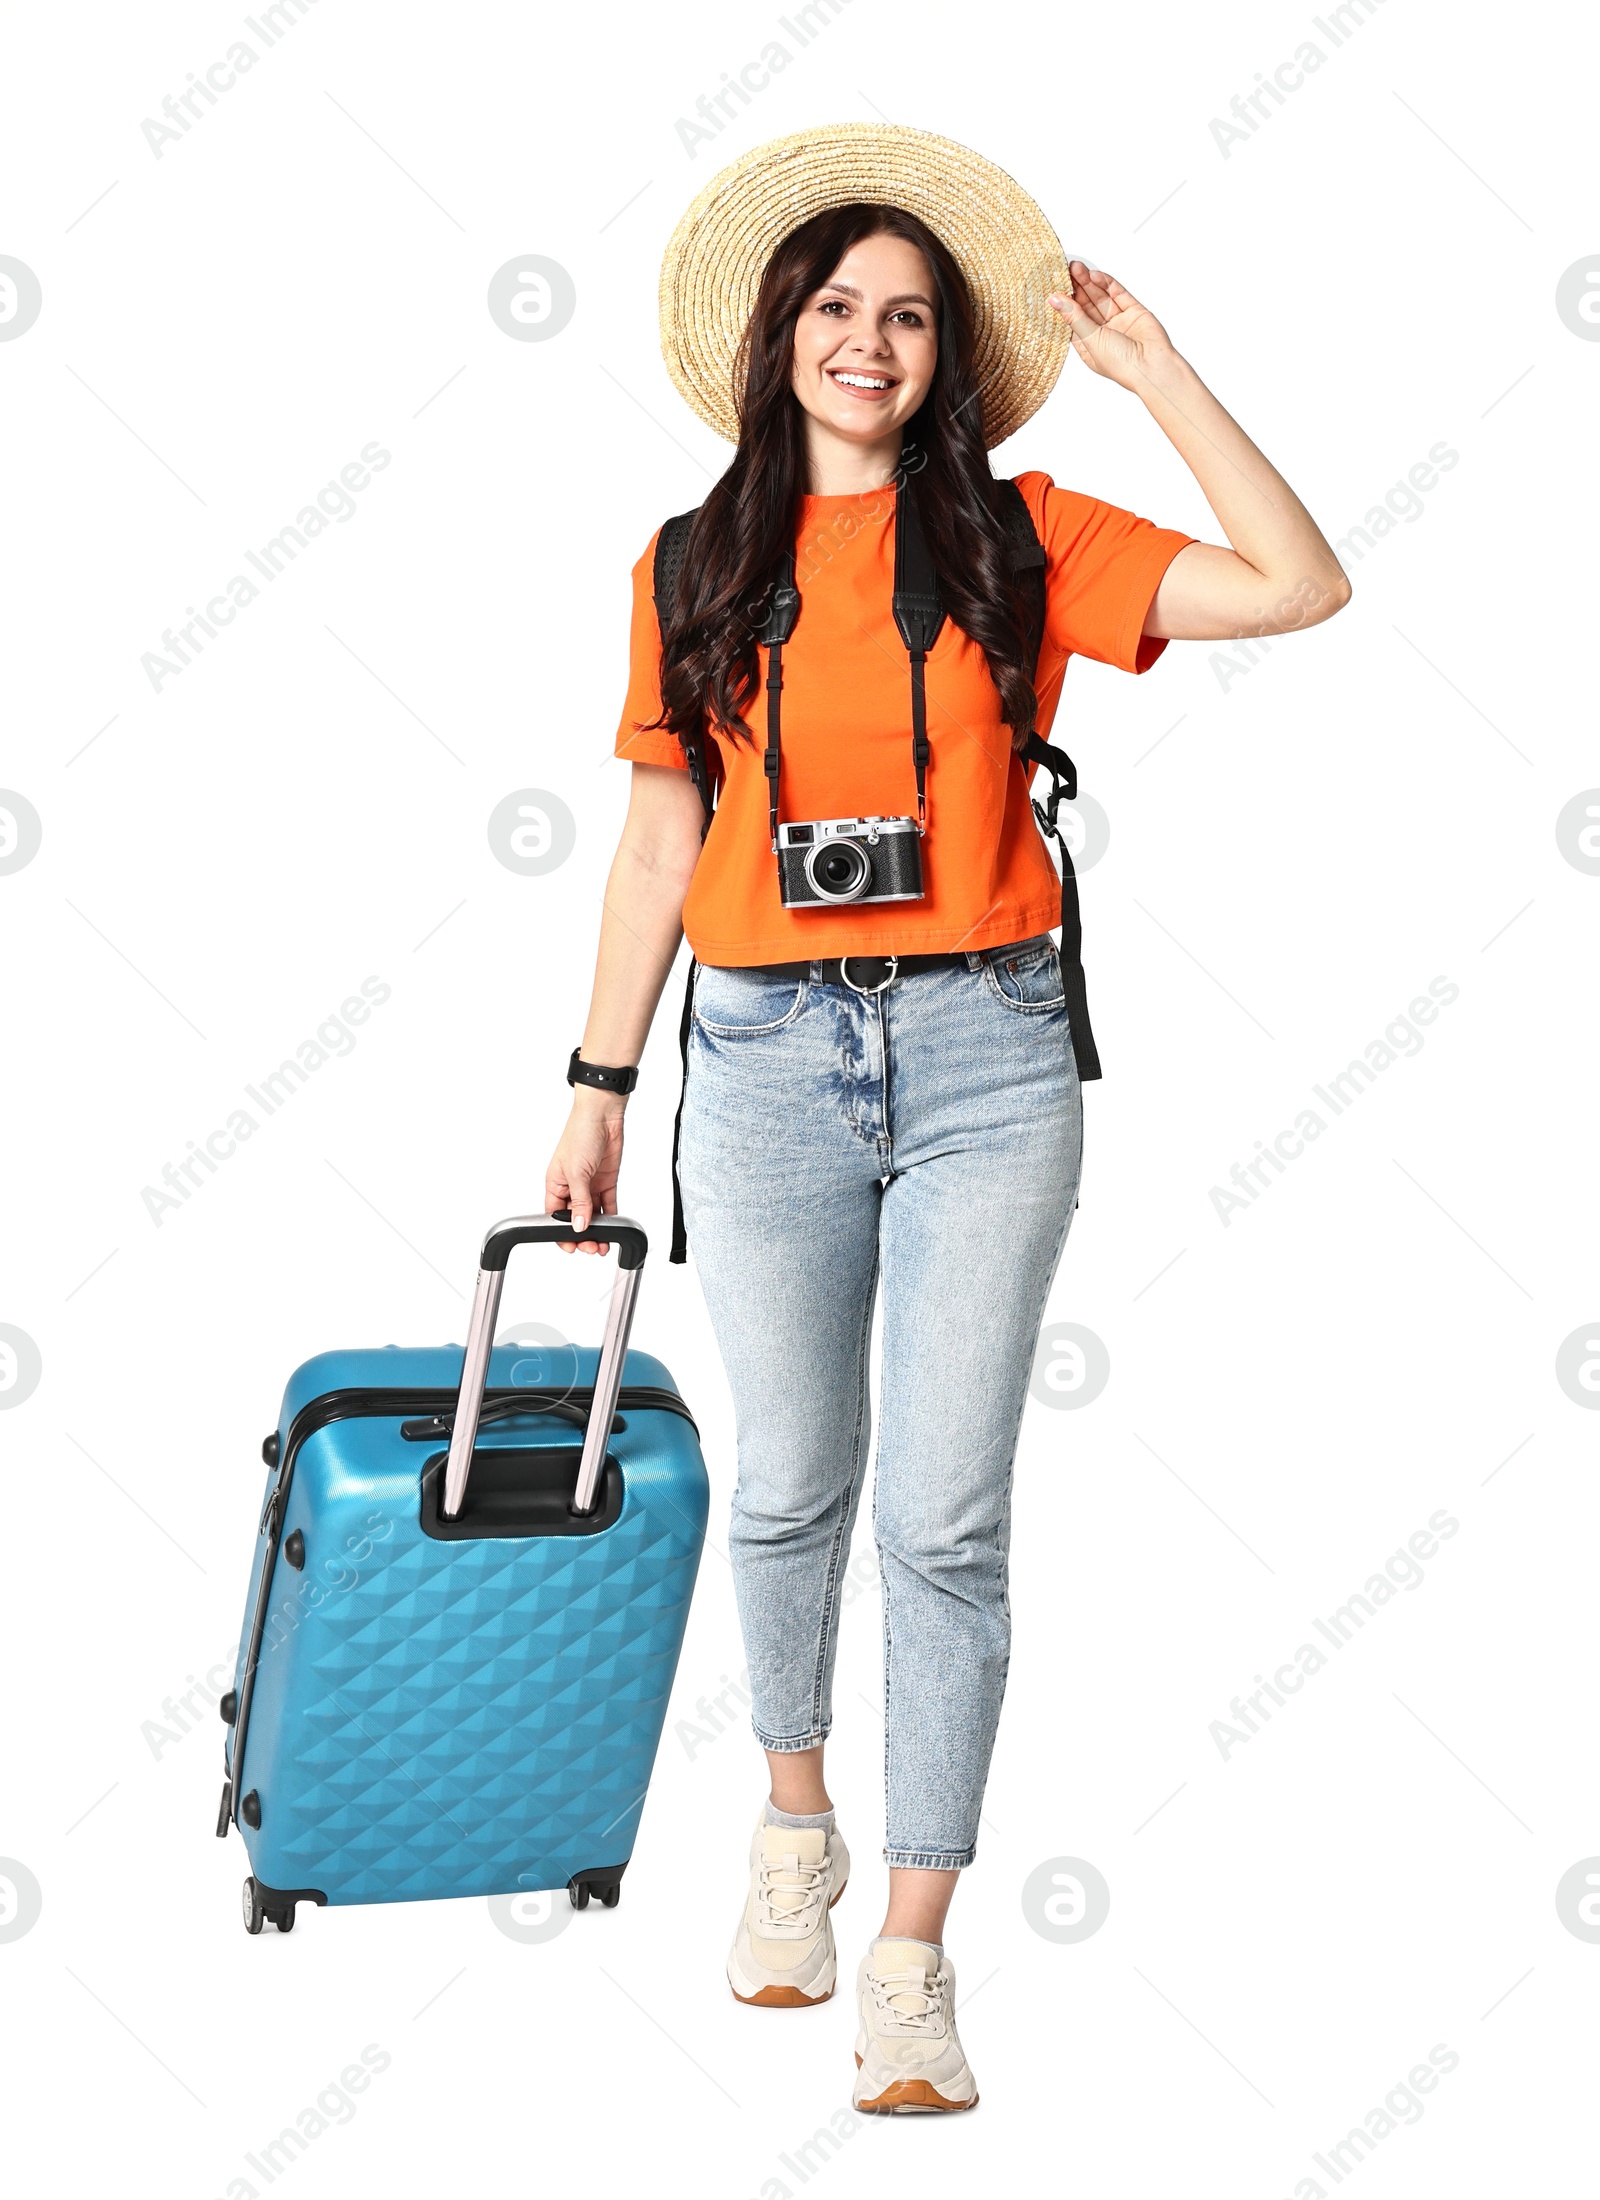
{"x":931,"y":1135}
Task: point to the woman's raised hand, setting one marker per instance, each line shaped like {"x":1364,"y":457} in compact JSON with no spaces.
{"x":1111,"y":331}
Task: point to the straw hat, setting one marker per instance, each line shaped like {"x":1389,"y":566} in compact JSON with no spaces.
{"x":1009,"y":254}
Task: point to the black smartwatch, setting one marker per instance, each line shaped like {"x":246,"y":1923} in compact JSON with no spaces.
{"x":580,"y":1072}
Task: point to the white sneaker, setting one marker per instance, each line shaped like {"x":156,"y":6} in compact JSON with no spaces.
{"x":907,"y":2048}
{"x":782,"y":1955}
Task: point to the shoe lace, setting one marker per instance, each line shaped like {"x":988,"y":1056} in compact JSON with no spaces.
{"x":909,"y":1999}
{"x":789,"y":1894}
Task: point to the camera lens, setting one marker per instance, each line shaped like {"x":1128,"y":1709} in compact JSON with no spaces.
{"x":838,"y":870}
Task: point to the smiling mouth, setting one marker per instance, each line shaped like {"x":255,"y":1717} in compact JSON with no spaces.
{"x":862,"y":385}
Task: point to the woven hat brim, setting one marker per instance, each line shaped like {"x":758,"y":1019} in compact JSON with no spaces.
{"x":995,"y":232}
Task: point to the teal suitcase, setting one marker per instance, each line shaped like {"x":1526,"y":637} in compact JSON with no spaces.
{"x":471,"y":1578}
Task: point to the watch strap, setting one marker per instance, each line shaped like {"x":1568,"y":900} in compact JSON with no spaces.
{"x":580,"y":1072}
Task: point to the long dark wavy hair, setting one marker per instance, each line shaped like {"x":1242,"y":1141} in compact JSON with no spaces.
{"x":709,"y":665}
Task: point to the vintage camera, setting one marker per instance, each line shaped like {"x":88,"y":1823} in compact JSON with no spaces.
{"x":849,"y":859}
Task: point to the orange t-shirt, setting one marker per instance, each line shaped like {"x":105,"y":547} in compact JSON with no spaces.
{"x":987,"y":875}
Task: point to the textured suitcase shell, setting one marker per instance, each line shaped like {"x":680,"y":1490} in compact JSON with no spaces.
{"x":465,"y":1717}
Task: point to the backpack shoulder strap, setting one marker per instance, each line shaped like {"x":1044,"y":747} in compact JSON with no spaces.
{"x":1017,"y":520}
{"x":671,"y":545}
{"x":1027,"y":562}
{"x":918,"y":612}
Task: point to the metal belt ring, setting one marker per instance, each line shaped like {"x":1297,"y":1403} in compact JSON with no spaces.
{"x":869,"y":992}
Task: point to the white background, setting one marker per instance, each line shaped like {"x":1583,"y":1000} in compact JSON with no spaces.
{"x":1371,"y":273}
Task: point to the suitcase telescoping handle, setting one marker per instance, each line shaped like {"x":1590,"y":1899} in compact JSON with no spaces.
{"x":555,"y":1229}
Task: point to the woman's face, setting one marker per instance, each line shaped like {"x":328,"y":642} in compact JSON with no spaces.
{"x":866,"y":343}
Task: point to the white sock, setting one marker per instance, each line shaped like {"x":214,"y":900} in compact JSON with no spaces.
{"x":797,"y":1821}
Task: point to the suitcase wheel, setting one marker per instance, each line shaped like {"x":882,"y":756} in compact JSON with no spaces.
{"x":607,"y":1884}
{"x":260,"y":1910}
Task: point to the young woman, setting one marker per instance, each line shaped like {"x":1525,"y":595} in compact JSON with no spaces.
{"x":883,"y":1091}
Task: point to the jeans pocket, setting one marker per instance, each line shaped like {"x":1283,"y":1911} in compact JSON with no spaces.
{"x":741,"y":1004}
{"x":1027,"y":978}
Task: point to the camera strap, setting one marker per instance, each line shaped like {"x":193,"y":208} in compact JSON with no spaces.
{"x":783,"y":608}
{"x":919,"y":615}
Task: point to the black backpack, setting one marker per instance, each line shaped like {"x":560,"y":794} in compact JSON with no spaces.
{"x":919,"y":615}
